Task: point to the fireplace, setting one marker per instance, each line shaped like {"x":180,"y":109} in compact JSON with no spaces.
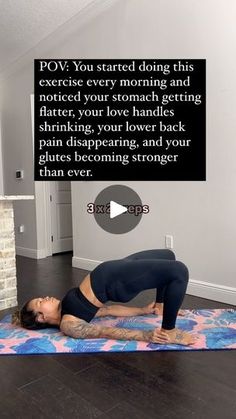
{"x":8,"y":282}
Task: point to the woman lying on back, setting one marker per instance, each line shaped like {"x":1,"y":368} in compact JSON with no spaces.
{"x":118,"y":281}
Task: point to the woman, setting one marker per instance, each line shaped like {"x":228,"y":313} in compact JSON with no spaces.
{"x":118,"y":281}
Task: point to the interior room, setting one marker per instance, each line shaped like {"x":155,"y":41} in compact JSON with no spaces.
{"x":53,"y":248}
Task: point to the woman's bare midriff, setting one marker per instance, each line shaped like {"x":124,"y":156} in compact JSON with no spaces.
{"x":86,"y":289}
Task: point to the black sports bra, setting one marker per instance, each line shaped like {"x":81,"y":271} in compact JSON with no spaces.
{"x":76,"y":304}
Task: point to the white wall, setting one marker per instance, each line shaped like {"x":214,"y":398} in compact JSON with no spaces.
{"x":1,"y":168}
{"x":1,"y":164}
{"x":17,"y":85}
{"x":17,"y":151}
{"x":200,"y":215}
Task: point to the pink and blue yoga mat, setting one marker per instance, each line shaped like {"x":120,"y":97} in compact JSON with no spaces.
{"x":216,"y":329}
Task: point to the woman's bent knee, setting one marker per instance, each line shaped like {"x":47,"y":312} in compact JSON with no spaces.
{"x":181,"y":271}
{"x":170,"y":254}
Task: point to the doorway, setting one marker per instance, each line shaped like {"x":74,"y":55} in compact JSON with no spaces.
{"x":53,"y":212}
{"x":61,"y":216}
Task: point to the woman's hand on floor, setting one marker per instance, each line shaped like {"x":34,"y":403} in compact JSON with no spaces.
{"x":151,"y":309}
{"x":158,"y":336}
{"x":157,"y":309}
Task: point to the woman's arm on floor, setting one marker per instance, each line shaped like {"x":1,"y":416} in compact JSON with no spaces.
{"x":80,"y":329}
{"x":125,"y":311}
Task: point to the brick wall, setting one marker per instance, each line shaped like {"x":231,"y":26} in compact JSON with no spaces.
{"x":8,"y":289}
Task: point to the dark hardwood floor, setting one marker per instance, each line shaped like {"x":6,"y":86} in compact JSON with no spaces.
{"x":172,"y":385}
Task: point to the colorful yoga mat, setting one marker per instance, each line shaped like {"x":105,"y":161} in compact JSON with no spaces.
{"x":216,"y":329}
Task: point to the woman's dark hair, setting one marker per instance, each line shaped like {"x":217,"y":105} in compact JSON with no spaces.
{"x":27,"y":319}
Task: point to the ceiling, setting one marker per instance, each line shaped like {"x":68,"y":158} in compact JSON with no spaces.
{"x":24,"y":23}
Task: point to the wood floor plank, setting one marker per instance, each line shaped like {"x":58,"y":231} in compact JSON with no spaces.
{"x":123,"y":409}
{"x":188,"y":384}
{"x":76,"y":362}
{"x":103,"y":387}
{"x":15,"y":404}
{"x":58,"y":401}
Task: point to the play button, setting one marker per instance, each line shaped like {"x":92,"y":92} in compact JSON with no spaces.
{"x":118,"y":209}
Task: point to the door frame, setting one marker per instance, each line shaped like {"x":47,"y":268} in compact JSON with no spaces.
{"x":42,"y":207}
{"x":43,"y":219}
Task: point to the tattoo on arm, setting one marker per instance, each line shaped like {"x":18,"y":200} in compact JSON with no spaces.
{"x":83,"y":330}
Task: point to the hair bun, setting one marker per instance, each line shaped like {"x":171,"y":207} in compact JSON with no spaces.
{"x":15,"y":318}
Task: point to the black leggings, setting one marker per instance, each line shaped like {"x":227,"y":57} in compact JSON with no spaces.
{"x":168,"y":276}
{"x":121,"y":280}
{"x":154,"y":254}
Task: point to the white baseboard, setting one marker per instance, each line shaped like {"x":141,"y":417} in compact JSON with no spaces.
{"x":31,"y":253}
{"x":212,"y":291}
{"x":196,"y":288}
{"x":82,"y":263}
